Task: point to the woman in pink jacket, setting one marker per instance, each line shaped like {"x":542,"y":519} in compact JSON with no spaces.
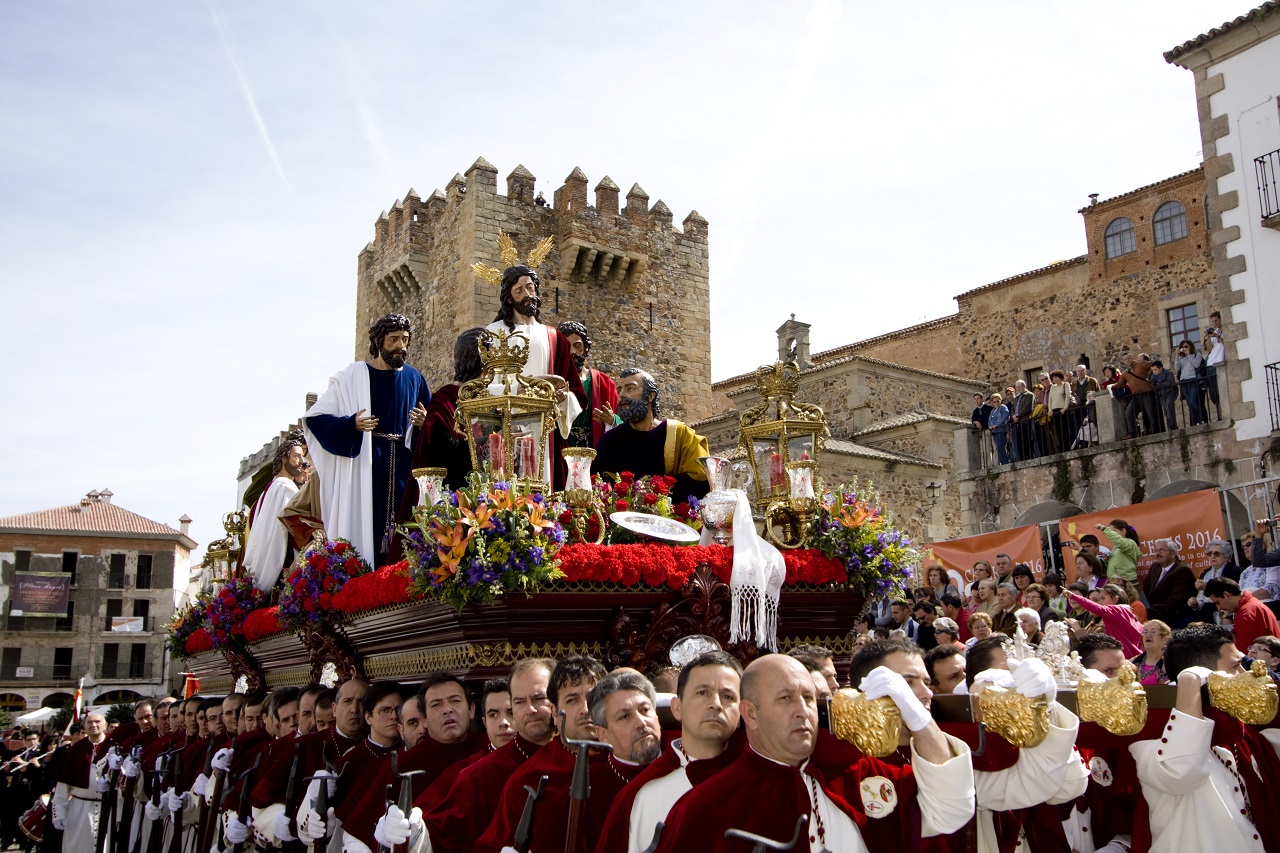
{"x":1117,"y":619}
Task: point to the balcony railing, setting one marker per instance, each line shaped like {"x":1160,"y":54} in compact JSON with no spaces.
{"x":147,"y":624}
{"x":43,"y":674}
{"x":140,"y":670}
{"x":1110,"y":420}
{"x":38,"y":624}
{"x":1267,"y":168}
{"x":1273,"y":394}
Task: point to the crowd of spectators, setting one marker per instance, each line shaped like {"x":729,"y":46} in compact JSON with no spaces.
{"x":1109,"y":614}
{"x":1059,"y":413}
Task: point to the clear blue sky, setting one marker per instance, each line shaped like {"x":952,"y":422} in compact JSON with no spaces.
{"x":185,"y":185}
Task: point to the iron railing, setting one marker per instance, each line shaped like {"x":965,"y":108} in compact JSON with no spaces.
{"x":125,"y":669}
{"x":1171,"y":407}
{"x":42,"y":674}
{"x":1267,"y":168}
{"x":1273,"y":393}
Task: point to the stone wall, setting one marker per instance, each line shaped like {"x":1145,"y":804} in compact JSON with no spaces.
{"x":934,"y":346}
{"x":639,"y":284}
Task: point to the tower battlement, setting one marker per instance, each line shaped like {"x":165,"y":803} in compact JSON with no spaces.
{"x":639,"y":283}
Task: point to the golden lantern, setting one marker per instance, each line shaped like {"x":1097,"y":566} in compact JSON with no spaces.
{"x":224,"y":555}
{"x":507,"y":417}
{"x":782,"y":439}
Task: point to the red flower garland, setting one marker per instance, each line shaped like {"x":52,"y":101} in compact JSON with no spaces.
{"x":199,"y":641}
{"x":388,"y":585}
{"x":650,"y":564}
{"x":628,"y":565}
{"x":263,"y":622}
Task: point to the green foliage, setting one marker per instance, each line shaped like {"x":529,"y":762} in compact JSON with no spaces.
{"x":121,"y":712}
{"x":1062,"y":481}
{"x":58,"y":722}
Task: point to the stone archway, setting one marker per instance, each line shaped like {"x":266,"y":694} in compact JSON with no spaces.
{"x":14,"y":703}
{"x":1047,"y":511}
{"x":56,"y":700}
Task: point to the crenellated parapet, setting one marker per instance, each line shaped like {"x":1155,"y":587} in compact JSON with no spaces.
{"x":620,"y":265}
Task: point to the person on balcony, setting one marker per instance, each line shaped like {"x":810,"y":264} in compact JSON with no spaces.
{"x":998,"y":422}
{"x":1190,"y":364}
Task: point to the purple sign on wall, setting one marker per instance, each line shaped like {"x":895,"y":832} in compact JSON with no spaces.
{"x":41,"y":593}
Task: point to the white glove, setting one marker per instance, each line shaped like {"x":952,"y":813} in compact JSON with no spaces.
{"x":222,"y":759}
{"x":1202,"y":673}
{"x":159,"y":764}
{"x":172,"y":800}
{"x":152,"y":811}
{"x":113,"y":760}
{"x":1032,"y":678}
{"x":237,"y":831}
{"x":281,"y":828}
{"x":394,"y":828}
{"x":104,"y":784}
{"x":883,"y":681}
{"x":311,"y":824}
{"x":1002,"y":678}
{"x":1094,"y":677}
{"x":198,"y":787}
{"x":313,"y":789}
{"x":130,"y":767}
{"x":59,"y":824}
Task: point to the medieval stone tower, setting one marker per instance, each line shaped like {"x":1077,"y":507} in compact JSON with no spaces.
{"x":640,"y":285}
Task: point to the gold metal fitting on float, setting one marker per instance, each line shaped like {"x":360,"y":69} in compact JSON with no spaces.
{"x":1250,"y":696}
{"x":874,"y":726}
{"x":1022,"y":721}
{"x":1118,"y":704}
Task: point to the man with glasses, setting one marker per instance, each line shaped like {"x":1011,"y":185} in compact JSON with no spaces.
{"x":1220,"y":566}
{"x":1170,"y":585}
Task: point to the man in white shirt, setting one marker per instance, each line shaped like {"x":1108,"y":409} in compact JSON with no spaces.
{"x":1197,"y":794}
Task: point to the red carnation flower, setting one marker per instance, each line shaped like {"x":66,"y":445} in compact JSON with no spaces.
{"x":325,"y":600}
{"x":340,"y":547}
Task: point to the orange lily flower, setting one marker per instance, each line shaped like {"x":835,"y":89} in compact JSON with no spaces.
{"x":537,"y":516}
{"x":856,"y":515}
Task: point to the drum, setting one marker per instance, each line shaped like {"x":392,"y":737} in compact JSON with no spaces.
{"x":32,"y":821}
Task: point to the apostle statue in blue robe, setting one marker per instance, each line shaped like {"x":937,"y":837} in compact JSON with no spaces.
{"x":360,"y":433}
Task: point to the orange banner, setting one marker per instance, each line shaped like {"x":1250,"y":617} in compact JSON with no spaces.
{"x":1192,"y":521}
{"x":957,"y":556}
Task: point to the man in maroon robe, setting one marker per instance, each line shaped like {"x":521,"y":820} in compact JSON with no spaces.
{"x":499,"y":727}
{"x":455,"y":823}
{"x":271,"y":814}
{"x":706,"y":704}
{"x":76,"y":799}
{"x":360,"y":764}
{"x":448,"y":739}
{"x":790,"y":770}
{"x":571,"y":685}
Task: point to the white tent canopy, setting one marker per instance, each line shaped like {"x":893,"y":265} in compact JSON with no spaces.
{"x":42,"y":715}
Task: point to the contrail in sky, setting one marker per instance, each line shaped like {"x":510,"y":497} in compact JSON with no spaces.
{"x":224,"y":33}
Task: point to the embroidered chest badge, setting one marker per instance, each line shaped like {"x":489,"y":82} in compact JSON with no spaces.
{"x":1100,"y":771}
{"x":879,"y":797}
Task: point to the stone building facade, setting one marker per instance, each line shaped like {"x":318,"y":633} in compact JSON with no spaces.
{"x":640,"y":284}
{"x":898,"y":404}
{"x":121,"y":565}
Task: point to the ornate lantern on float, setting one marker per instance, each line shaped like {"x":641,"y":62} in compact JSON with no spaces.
{"x":508,"y":417}
{"x":782,"y":439}
{"x":224,"y":555}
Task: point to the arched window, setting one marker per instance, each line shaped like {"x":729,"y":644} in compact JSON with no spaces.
{"x":115,"y":697}
{"x":1120,"y":238}
{"x":13,"y":703}
{"x":1170,"y":222}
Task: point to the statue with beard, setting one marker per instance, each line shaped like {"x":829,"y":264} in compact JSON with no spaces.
{"x":269,"y":548}
{"x":601,"y":391}
{"x":645,"y":445}
{"x":360,"y":433}
{"x":550,"y":356}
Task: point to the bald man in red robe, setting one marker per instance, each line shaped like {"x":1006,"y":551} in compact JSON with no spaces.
{"x":853,"y":802}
